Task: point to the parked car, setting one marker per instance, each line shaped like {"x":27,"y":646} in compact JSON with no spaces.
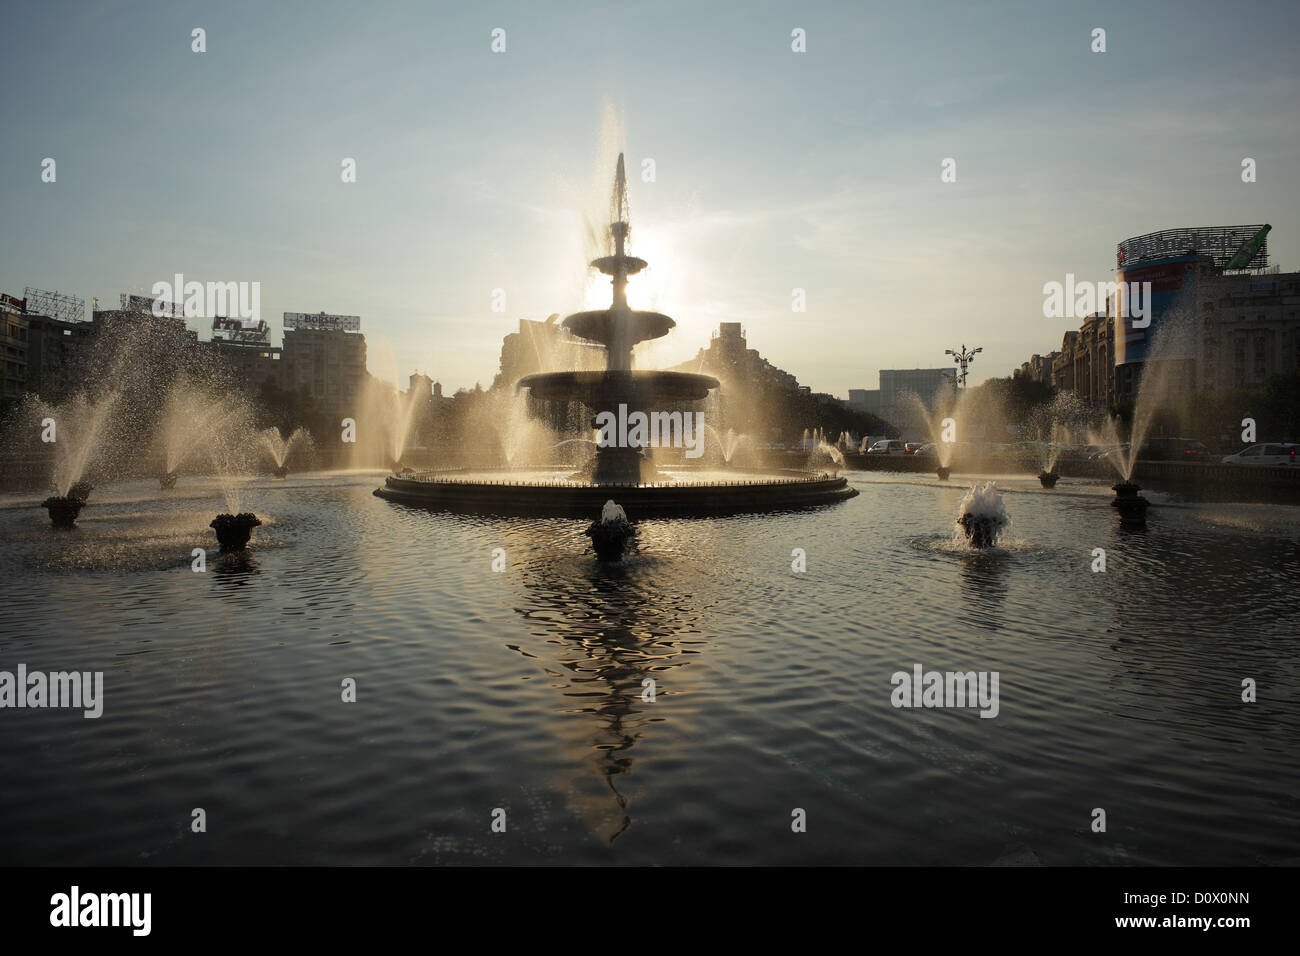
{"x":1173,"y":449}
{"x":1283,"y":453}
{"x":911,"y":447}
{"x":1116,"y":451}
{"x":890,"y":446}
{"x":929,"y":448}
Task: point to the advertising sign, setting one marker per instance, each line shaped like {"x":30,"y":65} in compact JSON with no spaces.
{"x":319,"y":320}
{"x":1166,"y":328}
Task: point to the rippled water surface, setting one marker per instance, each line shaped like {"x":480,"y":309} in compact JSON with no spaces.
{"x":523,"y":690}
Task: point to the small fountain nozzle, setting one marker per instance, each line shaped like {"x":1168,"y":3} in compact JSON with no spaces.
{"x":63,"y":510}
{"x":282,"y":471}
{"x":943,"y":471}
{"x":981,"y":530}
{"x":1048,"y":479}
{"x":167,"y":481}
{"x":611,"y":535}
{"x":1132,"y":506}
{"x":233,"y":531}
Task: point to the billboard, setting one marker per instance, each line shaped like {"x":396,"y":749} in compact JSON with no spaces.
{"x":1220,"y":243}
{"x":319,"y":320}
{"x":240,"y":330}
{"x":1167,"y":327}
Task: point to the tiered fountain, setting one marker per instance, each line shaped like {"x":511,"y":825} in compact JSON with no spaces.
{"x":644,"y":488}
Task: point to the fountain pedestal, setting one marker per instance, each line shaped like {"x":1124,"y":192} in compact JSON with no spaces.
{"x":1048,"y":479}
{"x":167,"y":481}
{"x":621,"y":466}
{"x":980,"y":530}
{"x":1132,"y":506}
{"x":63,"y":510}
{"x":233,"y":531}
{"x":943,"y":472}
{"x":610,"y":535}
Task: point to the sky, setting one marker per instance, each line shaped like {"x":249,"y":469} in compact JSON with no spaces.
{"x":479,"y":171}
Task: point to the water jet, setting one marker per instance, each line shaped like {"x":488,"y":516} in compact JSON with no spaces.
{"x":983,"y":517}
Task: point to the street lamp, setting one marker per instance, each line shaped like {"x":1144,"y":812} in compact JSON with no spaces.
{"x":963,"y":359}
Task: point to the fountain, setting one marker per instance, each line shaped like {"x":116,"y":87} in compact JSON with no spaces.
{"x":1048,"y":479}
{"x":281,"y":448}
{"x":611,"y":535}
{"x":932,"y":422}
{"x":233,"y":531}
{"x":983,"y":517}
{"x":194,"y":419}
{"x":619,"y":392}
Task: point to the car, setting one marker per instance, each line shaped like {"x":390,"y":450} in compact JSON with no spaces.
{"x":1272,"y":453}
{"x":890,"y":446}
{"x":911,"y":447}
{"x":1110,"y":451}
{"x":1173,"y":449}
{"x":929,"y":448}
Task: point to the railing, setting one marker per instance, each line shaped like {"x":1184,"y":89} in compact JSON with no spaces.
{"x":435,"y":478}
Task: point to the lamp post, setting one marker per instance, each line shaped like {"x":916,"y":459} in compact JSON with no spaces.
{"x":963,"y":359}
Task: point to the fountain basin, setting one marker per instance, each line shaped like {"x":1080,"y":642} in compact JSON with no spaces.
{"x":606,"y":325}
{"x":64,"y":510}
{"x":233,"y":531}
{"x":643,"y":389}
{"x":1048,"y":479}
{"x":554,"y":494}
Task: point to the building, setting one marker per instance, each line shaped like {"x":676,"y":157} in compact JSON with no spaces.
{"x":14,"y":331}
{"x":251,"y":366}
{"x":1220,"y":319}
{"x":1249,"y":330}
{"x":890,"y":402}
{"x":43,"y":354}
{"x":729,"y":358}
{"x":326,"y":364}
{"x":544,"y":347}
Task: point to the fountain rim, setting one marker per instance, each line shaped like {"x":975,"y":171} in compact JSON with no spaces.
{"x":653,"y":500}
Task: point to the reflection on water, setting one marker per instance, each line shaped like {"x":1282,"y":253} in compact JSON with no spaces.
{"x":612,"y":638}
{"x":984,"y":588}
{"x":525,"y":689}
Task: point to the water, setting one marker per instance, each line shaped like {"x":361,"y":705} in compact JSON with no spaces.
{"x":522,"y":689}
